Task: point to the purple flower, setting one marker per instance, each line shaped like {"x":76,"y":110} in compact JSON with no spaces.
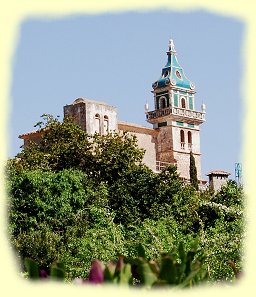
{"x":96,"y":275}
{"x":120,"y":263}
{"x":42,"y":273}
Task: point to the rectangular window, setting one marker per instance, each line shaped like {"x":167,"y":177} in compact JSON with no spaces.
{"x":191,"y":125}
{"x":180,"y":123}
{"x":162,"y":124}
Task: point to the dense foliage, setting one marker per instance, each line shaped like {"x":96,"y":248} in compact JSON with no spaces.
{"x":75,"y":198}
{"x":139,"y":271}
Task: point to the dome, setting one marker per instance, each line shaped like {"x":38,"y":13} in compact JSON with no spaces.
{"x":172,"y":73}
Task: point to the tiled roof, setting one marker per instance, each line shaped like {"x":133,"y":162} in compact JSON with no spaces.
{"x":218,"y":172}
{"x":29,"y":133}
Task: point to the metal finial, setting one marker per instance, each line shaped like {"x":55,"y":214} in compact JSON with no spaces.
{"x":203,"y":107}
{"x":146,"y":107}
{"x":171,"y":45}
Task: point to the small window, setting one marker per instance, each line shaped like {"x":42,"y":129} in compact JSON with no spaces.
{"x":162,"y":124}
{"x":182,"y":139}
{"x":162,"y":102}
{"x":189,"y":140}
{"x":189,"y":137}
{"x":106,"y":125}
{"x":97,"y":123}
{"x":183,"y":103}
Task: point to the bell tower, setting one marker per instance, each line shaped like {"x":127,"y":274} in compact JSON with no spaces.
{"x":175,"y":117}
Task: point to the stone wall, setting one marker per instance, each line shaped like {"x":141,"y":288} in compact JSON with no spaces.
{"x":183,"y":164}
{"x":92,"y":116}
{"x":77,"y":111}
{"x":145,"y":140}
{"x":217,"y":182}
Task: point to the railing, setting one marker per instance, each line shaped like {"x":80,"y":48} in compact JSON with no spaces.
{"x":183,"y":146}
{"x":158,"y":113}
{"x":188,"y":113}
{"x":176,"y":111}
{"x":161,"y":165}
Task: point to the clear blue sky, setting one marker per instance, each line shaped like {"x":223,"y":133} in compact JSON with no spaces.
{"x":116,"y":57}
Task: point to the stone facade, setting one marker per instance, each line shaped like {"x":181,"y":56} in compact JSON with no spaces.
{"x":145,"y":139}
{"x":92,"y":116}
{"x":217,"y":179}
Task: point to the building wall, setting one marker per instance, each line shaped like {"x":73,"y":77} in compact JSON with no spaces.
{"x":217,"y":181}
{"x":77,"y":110}
{"x":177,"y":141}
{"x":35,"y":137}
{"x":103,"y":110}
{"x":145,"y":140}
{"x":93,"y":116}
{"x":164,"y":145}
{"x":183,"y":164}
{"x":182,"y":151}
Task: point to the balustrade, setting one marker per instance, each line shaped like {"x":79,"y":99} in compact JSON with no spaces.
{"x":176,"y":111}
{"x":161,"y":165}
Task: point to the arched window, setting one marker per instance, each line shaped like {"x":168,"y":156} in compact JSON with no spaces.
{"x":183,"y":103}
{"x":189,"y":140}
{"x":97,"y":123}
{"x":182,"y":139}
{"x":106,"y":125}
{"x":162,"y":102}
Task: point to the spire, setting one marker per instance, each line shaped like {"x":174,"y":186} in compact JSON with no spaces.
{"x":172,"y":73}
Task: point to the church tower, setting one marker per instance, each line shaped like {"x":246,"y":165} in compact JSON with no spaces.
{"x":175,"y":118}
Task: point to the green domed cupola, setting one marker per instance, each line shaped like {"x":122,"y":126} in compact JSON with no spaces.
{"x":174,"y":96}
{"x":172,"y":73}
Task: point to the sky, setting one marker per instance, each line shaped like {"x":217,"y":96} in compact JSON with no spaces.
{"x":115,"y":58}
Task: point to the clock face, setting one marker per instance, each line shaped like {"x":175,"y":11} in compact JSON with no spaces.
{"x":173,"y":82}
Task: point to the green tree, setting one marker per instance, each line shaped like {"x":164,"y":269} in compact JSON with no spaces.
{"x":64,"y":145}
{"x":230,"y":194}
{"x":75,"y":197}
{"x":193,"y":171}
{"x":58,"y":199}
{"x":115,"y":155}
